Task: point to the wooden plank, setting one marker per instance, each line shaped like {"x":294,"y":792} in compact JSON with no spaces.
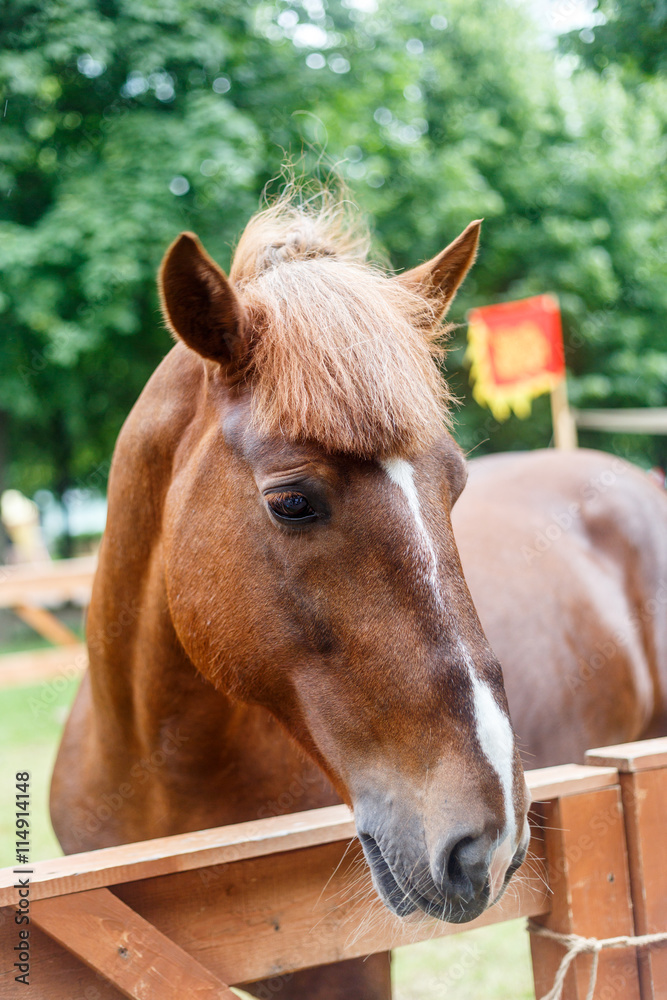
{"x":149,"y":858}
{"x":55,"y":974}
{"x":127,"y":950}
{"x":38,"y":665}
{"x":45,"y":623}
{"x":587,"y":871}
{"x":629,"y":757}
{"x":567,"y":779}
{"x":221,"y":845}
{"x":643,"y":767}
{"x":638,"y":420}
{"x":268,"y":916}
{"x":62,"y":580}
{"x":645,"y":811}
{"x":304,"y":908}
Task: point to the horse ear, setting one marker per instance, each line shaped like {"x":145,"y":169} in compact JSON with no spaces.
{"x":198,"y":303}
{"x":438,"y":279}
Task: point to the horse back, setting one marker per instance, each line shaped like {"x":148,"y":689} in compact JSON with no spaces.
{"x":565,"y":554}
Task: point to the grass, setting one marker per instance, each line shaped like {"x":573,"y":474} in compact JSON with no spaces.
{"x":25,"y":644}
{"x":492,"y":963}
{"x":31,"y":720}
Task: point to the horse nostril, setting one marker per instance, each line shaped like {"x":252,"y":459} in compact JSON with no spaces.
{"x":465,"y":867}
{"x":455,"y":875}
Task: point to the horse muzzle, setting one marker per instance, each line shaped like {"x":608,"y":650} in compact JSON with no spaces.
{"x":467,"y":873}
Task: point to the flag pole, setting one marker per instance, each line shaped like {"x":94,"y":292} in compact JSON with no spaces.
{"x":564,"y":426}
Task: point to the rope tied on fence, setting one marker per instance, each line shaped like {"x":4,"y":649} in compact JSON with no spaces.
{"x":578,"y":945}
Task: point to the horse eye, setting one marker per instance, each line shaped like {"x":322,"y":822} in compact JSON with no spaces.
{"x":291,"y":507}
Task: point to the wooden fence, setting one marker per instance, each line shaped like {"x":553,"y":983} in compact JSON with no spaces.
{"x":567,"y":421}
{"x":186,"y":916}
{"x":30,"y":591}
{"x":643,"y":420}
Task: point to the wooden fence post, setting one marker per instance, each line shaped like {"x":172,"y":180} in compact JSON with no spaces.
{"x":587,"y":871}
{"x":643,"y":774}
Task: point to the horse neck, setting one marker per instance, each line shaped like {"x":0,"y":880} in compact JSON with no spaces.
{"x":138,"y":667}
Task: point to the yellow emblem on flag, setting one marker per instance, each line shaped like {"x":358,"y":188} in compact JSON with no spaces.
{"x":515,"y":350}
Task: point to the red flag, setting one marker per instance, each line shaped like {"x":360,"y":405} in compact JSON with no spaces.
{"x":516,"y":353}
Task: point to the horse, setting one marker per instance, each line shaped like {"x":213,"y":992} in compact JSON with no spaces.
{"x":565,"y":554}
{"x":279,"y":595}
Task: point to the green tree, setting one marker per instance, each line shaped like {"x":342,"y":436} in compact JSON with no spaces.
{"x":127,"y":122}
{"x":95,"y":152}
{"x":630,"y":33}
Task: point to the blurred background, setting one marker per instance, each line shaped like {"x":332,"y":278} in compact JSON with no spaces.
{"x":123,"y":123}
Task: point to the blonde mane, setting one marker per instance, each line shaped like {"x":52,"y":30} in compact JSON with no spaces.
{"x":342,"y":353}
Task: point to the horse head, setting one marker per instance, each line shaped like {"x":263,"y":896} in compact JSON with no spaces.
{"x":310,"y":562}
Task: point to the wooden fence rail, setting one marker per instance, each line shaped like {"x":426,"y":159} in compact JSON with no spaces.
{"x":30,"y":591}
{"x":644,"y":420}
{"x":189,"y":915}
{"x":63,"y":580}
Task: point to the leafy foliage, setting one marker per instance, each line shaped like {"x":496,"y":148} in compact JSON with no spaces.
{"x":126,"y":122}
{"x":632,"y":33}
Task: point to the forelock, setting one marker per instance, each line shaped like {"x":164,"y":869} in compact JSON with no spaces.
{"x":340,"y":353}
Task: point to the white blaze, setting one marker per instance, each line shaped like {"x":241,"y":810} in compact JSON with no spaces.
{"x":496,"y":739}
{"x":402,"y":474}
{"x":494,"y":731}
